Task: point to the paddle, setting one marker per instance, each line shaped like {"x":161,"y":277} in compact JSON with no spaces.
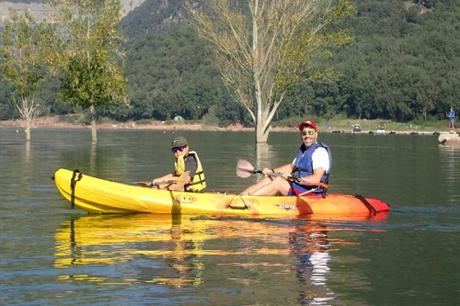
{"x":245,"y":169}
{"x":307,"y":192}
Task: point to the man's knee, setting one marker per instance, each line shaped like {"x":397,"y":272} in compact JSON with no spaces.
{"x":281,"y":182}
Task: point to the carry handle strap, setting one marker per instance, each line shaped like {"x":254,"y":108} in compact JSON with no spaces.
{"x":76,"y":176}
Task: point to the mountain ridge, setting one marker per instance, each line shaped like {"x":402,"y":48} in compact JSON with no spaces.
{"x":40,"y":10}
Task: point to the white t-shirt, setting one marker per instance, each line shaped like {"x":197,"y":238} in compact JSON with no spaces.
{"x":320,"y":159}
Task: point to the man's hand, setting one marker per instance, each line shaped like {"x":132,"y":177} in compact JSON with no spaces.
{"x":292,"y":178}
{"x":267,"y":171}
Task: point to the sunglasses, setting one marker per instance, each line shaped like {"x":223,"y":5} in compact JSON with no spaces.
{"x":178,"y":149}
{"x":308,"y":132}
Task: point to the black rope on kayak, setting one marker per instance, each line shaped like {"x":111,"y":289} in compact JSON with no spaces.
{"x":76,"y":176}
{"x":366,"y":203}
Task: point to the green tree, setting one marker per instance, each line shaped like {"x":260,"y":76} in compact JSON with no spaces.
{"x":92,"y":76}
{"x":25,"y":56}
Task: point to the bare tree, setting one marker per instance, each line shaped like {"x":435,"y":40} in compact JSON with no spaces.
{"x":262,"y":47}
{"x":25,"y":56}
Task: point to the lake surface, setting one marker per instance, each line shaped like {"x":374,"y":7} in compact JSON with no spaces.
{"x":50,"y":254}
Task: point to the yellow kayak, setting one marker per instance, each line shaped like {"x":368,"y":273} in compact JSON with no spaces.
{"x":96,"y":195}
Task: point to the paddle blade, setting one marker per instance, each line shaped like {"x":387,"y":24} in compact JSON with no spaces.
{"x":244,"y":169}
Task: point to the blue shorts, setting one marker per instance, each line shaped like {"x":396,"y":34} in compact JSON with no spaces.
{"x":297,"y":189}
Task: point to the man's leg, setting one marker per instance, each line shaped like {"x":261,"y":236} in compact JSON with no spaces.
{"x":278,"y":186}
{"x":254,"y":187}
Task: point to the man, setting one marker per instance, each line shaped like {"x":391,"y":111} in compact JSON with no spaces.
{"x":188,"y":174}
{"x":308,"y":173}
{"x":451,"y":115}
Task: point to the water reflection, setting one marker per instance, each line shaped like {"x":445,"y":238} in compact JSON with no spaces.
{"x":27,"y":152}
{"x":184,"y":251}
{"x":449,"y":169}
{"x":264,"y":155}
{"x":310,"y":244}
{"x":109,"y":240}
{"x":92,"y":157}
{"x":450,"y":159}
{"x":185,"y":261}
{"x":27,"y":165}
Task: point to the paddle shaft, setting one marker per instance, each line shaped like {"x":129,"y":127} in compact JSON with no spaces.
{"x":307,"y":192}
{"x":179,"y":180}
{"x":297,"y":179}
{"x":274,"y":174}
{"x":151,"y":184}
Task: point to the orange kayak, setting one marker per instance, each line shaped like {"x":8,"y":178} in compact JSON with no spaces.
{"x":96,"y":195}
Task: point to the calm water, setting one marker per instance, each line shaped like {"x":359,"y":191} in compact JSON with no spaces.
{"x":50,"y":254}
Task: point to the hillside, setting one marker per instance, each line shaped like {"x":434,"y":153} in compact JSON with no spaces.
{"x":403,"y":64}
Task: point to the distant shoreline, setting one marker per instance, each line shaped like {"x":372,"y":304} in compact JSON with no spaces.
{"x":53,"y":122}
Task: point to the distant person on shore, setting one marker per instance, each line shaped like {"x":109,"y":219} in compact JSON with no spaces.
{"x":451,"y":116}
{"x":188,"y":174}
{"x":308,"y":172}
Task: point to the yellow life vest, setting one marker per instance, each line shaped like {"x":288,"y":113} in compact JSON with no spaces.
{"x":198,"y":182}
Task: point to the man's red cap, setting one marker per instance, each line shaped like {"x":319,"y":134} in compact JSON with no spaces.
{"x":308,"y":123}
